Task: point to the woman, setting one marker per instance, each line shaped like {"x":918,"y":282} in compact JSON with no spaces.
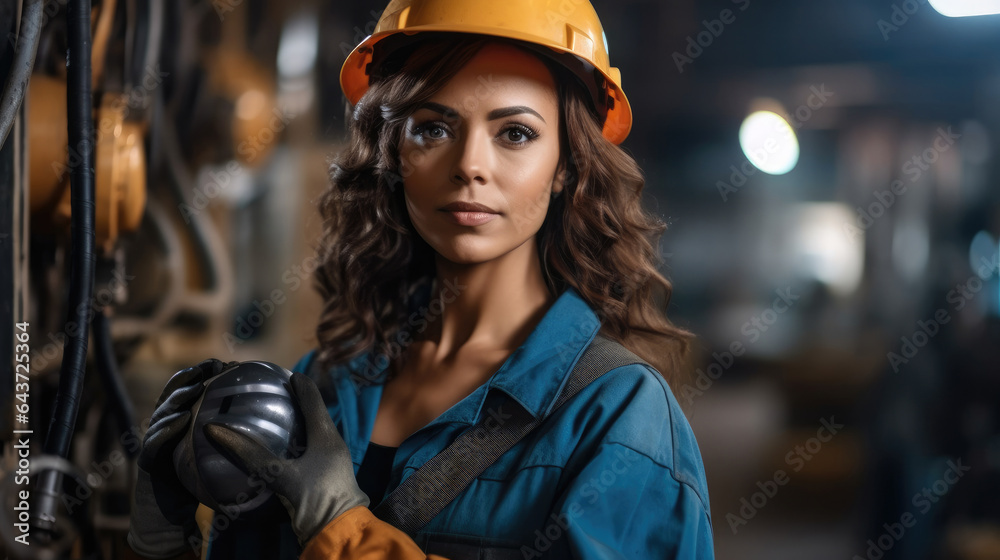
{"x":482,"y":227}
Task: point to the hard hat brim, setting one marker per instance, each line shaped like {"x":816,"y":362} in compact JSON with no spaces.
{"x":354,"y":74}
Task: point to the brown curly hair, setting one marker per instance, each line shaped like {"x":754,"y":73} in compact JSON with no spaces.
{"x":596,"y":236}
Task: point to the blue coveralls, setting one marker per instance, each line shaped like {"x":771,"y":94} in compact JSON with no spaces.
{"x":613,"y":473}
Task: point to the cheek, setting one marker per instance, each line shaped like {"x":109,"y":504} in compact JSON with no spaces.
{"x":418,"y":174}
{"x":530,"y":201}
{"x":415,"y":161}
{"x":417,"y":202}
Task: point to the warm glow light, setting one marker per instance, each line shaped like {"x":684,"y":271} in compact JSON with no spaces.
{"x":299,"y":45}
{"x":769,"y":142}
{"x":250,"y":104}
{"x":821,"y":250}
{"x":964,"y":8}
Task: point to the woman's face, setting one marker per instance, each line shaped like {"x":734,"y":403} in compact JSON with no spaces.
{"x":491,"y":137}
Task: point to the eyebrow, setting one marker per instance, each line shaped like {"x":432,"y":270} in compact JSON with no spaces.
{"x":493,"y":115}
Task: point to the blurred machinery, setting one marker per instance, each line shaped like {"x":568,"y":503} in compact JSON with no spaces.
{"x":187,"y":103}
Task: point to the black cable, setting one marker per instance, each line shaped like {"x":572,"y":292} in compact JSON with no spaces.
{"x":111,"y":380}
{"x":48,"y":494}
{"x":24,"y":60}
{"x":81,"y":126}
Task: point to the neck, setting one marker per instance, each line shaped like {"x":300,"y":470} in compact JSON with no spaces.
{"x":490,"y":306}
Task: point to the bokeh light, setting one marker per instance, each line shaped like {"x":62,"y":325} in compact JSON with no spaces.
{"x":769,"y":142}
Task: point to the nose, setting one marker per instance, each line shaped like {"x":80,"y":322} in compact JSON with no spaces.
{"x":473,"y":158}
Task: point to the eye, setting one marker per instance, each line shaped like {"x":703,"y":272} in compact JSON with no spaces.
{"x":515,"y":135}
{"x":430,"y":131}
{"x":435,"y":131}
{"x":518,"y":134}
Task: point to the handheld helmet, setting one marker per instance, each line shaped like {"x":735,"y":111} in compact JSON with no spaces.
{"x":253,"y":398}
{"x":567,"y":31}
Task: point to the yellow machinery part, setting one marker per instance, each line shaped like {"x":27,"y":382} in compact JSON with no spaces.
{"x":120,"y":163}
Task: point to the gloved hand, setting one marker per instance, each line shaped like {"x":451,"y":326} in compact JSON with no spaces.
{"x":163,"y":511}
{"x":317,"y":486}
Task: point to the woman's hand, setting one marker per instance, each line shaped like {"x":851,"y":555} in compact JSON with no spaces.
{"x":163,"y":511}
{"x":316,"y":487}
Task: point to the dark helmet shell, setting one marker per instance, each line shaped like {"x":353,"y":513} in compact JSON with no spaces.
{"x":253,"y":398}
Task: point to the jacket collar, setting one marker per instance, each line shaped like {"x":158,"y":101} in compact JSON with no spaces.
{"x":533,"y":375}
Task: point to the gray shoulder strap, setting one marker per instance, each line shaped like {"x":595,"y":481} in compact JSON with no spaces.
{"x":435,"y":484}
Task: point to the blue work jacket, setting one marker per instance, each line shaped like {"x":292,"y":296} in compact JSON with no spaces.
{"x":615,"y":472}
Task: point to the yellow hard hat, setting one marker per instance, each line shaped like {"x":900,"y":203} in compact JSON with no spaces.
{"x":565,"y":26}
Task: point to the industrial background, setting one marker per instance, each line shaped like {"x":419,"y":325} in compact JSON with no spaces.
{"x":841,"y":276}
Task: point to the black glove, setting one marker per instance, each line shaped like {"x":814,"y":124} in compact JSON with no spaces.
{"x":317,"y":486}
{"x":163,"y":511}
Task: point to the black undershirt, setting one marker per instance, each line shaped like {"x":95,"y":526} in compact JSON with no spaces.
{"x":373,"y":476}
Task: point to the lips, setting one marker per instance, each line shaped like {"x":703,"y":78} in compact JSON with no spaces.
{"x":461,"y":206}
{"x":469,"y":213}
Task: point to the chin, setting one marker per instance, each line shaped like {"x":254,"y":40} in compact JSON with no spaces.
{"x":468,"y":251}
{"x":465,"y":256}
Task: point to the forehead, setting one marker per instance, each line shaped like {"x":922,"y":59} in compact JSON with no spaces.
{"x":500,"y":75}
